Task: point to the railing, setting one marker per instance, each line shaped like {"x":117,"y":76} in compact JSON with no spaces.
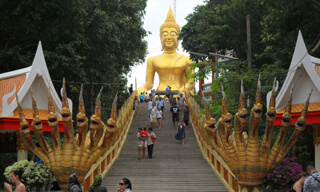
{"x":215,"y":161}
{"x":103,"y":165}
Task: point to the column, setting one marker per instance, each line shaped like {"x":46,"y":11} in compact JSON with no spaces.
{"x":316,"y":142}
{"x":21,"y":148}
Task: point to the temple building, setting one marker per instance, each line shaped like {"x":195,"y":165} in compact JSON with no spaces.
{"x":304,"y":75}
{"x":18,"y":83}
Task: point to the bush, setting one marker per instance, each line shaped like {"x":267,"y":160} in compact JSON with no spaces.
{"x":35,"y":177}
{"x":283,"y":176}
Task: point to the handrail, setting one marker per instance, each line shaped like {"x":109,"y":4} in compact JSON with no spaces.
{"x":104,"y":163}
{"x":213,"y":158}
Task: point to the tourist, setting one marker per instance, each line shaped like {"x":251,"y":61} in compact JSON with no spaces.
{"x":175,"y":114}
{"x":136,"y":106}
{"x":73,"y":183}
{"x":182,"y":102}
{"x":161,"y":104}
{"x":298,"y":185}
{"x":185,"y":116}
{"x":312,"y":182}
{"x":158,"y":98}
{"x":96,"y":186}
{"x":167,"y":91}
{"x":181,"y":132}
{"x":144,"y":133}
{"x":153,"y":115}
{"x":166,"y":99}
{"x":150,"y":142}
{"x":15,"y":177}
{"x":178,"y":103}
{"x":142,"y":144}
{"x":125,"y":185}
{"x":141,"y":97}
{"x":172,"y":100}
{"x":159,"y":117}
{"x":150,"y":102}
{"x":146,"y":97}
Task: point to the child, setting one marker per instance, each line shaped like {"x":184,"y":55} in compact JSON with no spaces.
{"x":144,"y":133}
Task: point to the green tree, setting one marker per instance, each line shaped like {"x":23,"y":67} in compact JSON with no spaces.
{"x":87,"y":41}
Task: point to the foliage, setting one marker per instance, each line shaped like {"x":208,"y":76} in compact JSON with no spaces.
{"x":220,"y":26}
{"x":35,"y":176}
{"x":87,"y":41}
{"x":304,"y":148}
{"x":281,"y":23}
{"x":283,"y":176}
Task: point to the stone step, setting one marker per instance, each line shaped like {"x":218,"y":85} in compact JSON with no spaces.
{"x":174,"y":167}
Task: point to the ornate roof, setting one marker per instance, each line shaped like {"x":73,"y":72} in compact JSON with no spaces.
{"x":304,"y":74}
{"x":20,"y":81}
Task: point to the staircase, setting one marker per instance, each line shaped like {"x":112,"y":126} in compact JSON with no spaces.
{"x":174,"y":167}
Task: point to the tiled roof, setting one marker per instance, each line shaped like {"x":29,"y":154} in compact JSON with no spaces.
{"x":7,"y":86}
{"x":28,"y":113}
{"x":297,"y":108}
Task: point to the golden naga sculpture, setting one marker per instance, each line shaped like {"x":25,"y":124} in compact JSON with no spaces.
{"x":77,"y":154}
{"x":170,"y":66}
{"x":247,"y":159}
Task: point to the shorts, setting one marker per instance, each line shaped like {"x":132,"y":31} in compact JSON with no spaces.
{"x":186,"y":122}
{"x":175,"y":118}
{"x":153,"y":118}
{"x":159,"y":118}
{"x":141,"y":100}
{"x":144,"y":144}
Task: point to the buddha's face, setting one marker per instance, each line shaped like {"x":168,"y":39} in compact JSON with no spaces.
{"x":169,"y":38}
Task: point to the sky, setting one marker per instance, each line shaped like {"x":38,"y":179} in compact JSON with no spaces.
{"x":156,"y":13}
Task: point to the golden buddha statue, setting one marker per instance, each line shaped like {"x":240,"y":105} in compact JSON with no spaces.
{"x":170,"y":66}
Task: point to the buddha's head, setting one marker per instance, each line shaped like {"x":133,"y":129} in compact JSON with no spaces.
{"x":169,"y":32}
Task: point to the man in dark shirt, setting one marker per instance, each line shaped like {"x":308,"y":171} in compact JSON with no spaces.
{"x":312,"y":182}
{"x":175,"y":114}
{"x":172,"y":100}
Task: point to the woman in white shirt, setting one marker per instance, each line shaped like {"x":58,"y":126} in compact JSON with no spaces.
{"x":159,"y":116}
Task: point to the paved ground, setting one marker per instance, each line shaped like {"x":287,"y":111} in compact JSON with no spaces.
{"x":174,"y":167}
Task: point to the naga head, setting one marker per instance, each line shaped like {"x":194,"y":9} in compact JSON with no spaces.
{"x":37,"y":122}
{"x":95,"y":120}
{"x":65,"y":111}
{"x":52,"y":116}
{"x":286,"y":117}
{"x":226,"y":117}
{"x":210,"y":123}
{"x":112,"y":121}
{"x":24,"y":125}
{"x":82,"y":119}
{"x":242,"y":111}
{"x":271,"y":112}
{"x":301,"y":122}
{"x":257,"y":107}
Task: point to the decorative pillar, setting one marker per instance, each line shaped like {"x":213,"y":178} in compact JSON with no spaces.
{"x":316,"y":142}
{"x":21,"y":148}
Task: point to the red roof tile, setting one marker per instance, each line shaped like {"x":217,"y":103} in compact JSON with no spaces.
{"x":7,"y":85}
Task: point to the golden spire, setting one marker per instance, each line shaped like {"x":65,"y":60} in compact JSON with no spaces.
{"x":170,"y":22}
{"x":34,"y":105}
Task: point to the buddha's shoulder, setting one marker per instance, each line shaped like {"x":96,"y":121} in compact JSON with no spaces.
{"x":175,"y":56}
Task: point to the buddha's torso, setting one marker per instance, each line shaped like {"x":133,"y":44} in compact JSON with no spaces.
{"x":171,"y":69}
